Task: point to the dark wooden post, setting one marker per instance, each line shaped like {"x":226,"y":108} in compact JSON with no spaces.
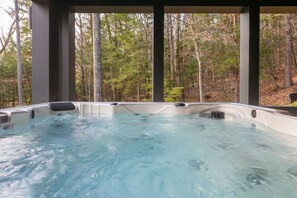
{"x":158,"y":58}
{"x":249,"y":55}
{"x":53,"y":52}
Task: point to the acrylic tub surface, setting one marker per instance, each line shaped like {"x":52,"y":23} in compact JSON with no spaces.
{"x":275,"y":119}
{"x":147,"y":150}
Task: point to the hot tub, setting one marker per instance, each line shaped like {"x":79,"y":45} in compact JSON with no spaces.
{"x":81,"y":149}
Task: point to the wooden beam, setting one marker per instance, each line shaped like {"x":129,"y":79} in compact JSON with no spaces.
{"x":184,"y":3}
{"x":112,"y":9}
{"x":278,"y":9}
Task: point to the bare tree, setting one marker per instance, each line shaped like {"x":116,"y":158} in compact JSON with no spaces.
{"x":194,"y":37}
{"x":289,"y":51}
{"x":97,"y":57}
{"x":19,"y":63}
{"x":79,"y":23}
{"x":171,"y":48}
{"x":176,"y":49}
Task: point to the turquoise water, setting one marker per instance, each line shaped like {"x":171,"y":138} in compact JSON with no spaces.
{"x":146,"y":156}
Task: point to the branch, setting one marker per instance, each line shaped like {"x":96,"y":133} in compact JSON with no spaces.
{"x":5,"y":41}
{"x":293,"y":51}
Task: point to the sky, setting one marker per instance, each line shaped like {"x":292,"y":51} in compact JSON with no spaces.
{"x":5,"y":19}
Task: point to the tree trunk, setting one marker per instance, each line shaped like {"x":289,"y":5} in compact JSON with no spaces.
{"x":138,"y":83}
{"x":288,"y":60}
{"x":81,"y":54}
{"x":90,"y":56}
{"x":97,"y":58}
{"x":171,"y":48}
{"x":176,"y":50}
{"x":19,"y":58}
{"x":294,"y":55}
{"x":198,"y":57}
{"x":13,"y":95}
{"x":199,"y":72}
{"x":237,"y":85}
{"x":113,"y":89}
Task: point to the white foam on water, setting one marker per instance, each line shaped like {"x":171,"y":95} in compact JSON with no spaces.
{"x":146,"y":156}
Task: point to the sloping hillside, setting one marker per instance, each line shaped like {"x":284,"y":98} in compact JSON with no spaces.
{"x":279,"y":97}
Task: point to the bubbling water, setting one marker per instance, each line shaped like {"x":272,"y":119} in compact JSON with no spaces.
{"x":146,"y":156}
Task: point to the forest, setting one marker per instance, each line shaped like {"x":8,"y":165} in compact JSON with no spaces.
{"x":201,"y":59}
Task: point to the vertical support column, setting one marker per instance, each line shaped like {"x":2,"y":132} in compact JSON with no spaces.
{"x":249,"y":55}
{"x":158,"y":54}
{"x":40,"y":50}
{"x":53,"y":52}
{"x":66,"y":64}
